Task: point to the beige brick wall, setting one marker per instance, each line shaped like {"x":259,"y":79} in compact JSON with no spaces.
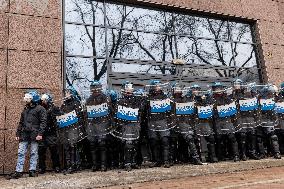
{"x":30,"y":57}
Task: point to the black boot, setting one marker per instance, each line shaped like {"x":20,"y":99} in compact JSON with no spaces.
{"x":15,"y":175}
{"x":196,"y":161}
{"x":103,"y":160}
{"x":166,"y":152}
{"x":275,"y":146}
{"x":41,"y":171}
{"x":32,"y":174}
{"x":243,"y":148}
{"x":57,"y":170}
{"x":254,"y":156}
{"x":173,"y":151}
{"x":103,"y":168}
{"x":243,"y":157}
{"x":277,"y":156}
{"x":95,"y":168}
{"x":235,"y":149}
{"x":70,"y":170}
{"x":220,"y":148}
{"x":194,"y":153}
{"x":261,"y":148}
{"x":94,"y":159}
{"x":128,"y":167}
{"x":236,"y":158}
{"x":167,"y":164}
{"x":212,"y":153}
{"x":156,"y":159}
{"x":252,"y":148}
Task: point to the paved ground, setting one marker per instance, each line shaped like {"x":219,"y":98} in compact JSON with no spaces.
{"x":268,"y":173}
{"x":270,"y":178}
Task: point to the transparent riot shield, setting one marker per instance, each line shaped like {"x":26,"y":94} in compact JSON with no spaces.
{"x":160,"y":105}
{"x":127,"y":116}
{"x":204,"y":107}
{"x":266,"y":97}
{"x":186,"y":107}
{"x":97,"y":108}
{"x":71,"y":121}
{"x":246,"y":99}
{"x":230,"y":108}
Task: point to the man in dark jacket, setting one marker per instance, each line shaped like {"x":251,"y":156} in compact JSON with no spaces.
{"x":50,"y":138}
{"x":30,"y":130}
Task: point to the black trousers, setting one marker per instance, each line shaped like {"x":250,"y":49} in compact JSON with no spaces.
{"x":54,"y":156}
{"x":98,"y":149}
{"x":71,"y":156}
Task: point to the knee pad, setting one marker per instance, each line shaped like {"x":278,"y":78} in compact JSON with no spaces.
{"x":243,"y":138}
{"x":189,"y":138}
{"x":274,"y":138}
{"x":102,"y":143}
{"x":165,"y":141}
{"x":259,"y":140}
{"x":219,"y":137}
{"x":252,"y":132}
{"x":210,"y":139}
{"x":153,"y":142}
{"x":129,"y":144}
{"x":232,"y":137}
{"x":243,"y":135}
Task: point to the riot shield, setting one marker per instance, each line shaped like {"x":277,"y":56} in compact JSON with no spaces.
{"x":127,"y":119}
{"x":71,"y":122}
{"x":204,"y":107}
{"x":97,"y":114}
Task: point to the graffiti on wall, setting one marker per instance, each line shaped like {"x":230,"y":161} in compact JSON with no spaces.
{"x":38,"y":5}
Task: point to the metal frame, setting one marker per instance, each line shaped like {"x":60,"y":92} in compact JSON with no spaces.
{"x":114,"y":77}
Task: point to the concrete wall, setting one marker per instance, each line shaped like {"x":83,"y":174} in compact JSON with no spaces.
{"x":31,"y":50}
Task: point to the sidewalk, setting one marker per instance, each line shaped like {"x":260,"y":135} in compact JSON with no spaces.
{"x":87,"y":179}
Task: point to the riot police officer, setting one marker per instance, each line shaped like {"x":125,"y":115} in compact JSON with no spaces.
{"x":144,"y":155}
{"x":246,"y":121}
{"x":98,"y":125}
{"x":71,"y":129}
{"x":184,"y":119}
{"x":224,"y":115}
{"x":159,"y":114}
{"x":204,"y":119}
{"x":50,"y":138}
{"x":115,"y":148}
{"x":279,"y":109}
{"x":128,"y":124}
{"x":268,"y":121}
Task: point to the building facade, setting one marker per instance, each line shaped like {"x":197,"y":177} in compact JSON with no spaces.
{"x":47,"y":44}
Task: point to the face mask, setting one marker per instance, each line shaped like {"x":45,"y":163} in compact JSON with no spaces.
{"x":44,"y":98}
{"x":237,"y":86}
{"x":28,"y":98}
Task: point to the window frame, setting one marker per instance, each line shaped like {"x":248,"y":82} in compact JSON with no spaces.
{"x":171,"y":10}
